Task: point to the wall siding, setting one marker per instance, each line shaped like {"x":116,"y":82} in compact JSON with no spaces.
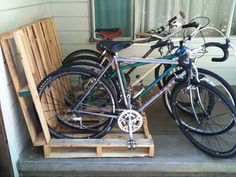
{"x":73,"y":24}
{"x":14,"y":13}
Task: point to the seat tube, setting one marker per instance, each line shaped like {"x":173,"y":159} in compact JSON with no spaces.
{"x":120,"y":81}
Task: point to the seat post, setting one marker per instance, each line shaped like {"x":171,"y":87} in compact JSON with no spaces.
{"x":120,"y":80}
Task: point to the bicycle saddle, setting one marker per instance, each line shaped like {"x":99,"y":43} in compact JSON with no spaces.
{"x":114,"y":46}
{"x":110,"y":33}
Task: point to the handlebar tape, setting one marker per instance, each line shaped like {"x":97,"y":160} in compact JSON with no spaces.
{"x":223,"y":47}
{"x":172,"y":19}
{"x":189,"y":25}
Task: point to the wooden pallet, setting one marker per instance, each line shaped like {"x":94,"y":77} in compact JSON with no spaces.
{"x":31,"y":53}
{"x":113,"y":144}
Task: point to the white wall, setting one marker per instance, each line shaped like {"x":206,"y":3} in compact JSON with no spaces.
{"x":73,"y":25}
{"x":15,"y":13}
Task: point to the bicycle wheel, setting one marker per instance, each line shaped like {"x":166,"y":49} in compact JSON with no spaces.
{"x":97,"y":68}
{"x":213,"y":132}
{"x":59,"y":94}
{"x":204,"y":75}
{"x":77,"y":53}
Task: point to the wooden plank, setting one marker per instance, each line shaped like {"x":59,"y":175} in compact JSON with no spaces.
{"x":41,"y":70}
{"x":17,"y":84}
{"x":47,"y":150}
{"x":90,"y":152}
{"x":145,"y":126}
{"x":54,"y":54}
{"x":99,"y":150}
{"x":52,"y":21}
{"x":97,"y":142}
{"x":151,"y":151}
{"x":43,"y":48}
{"x":50,"y":46}
{"x":40,"y":140}
{"x":35,"y":50}
{"x":45,"y":56}
{"x":65,"y":148}
{"x":23,"y":44}
{"x":6,"y":35}
{"x":53,"y":38}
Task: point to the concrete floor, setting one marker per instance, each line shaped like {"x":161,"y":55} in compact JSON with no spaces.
{"x":175,"y":156}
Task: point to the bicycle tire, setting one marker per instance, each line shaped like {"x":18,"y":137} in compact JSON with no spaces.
{"x":49,"y":87}
{"x":210,"y":144}
{"x":77,"y":53}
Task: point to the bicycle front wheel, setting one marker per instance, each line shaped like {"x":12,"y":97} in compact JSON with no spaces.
{"x":212,"y":129}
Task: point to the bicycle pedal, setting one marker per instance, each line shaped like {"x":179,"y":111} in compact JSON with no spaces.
{"x":131,"y":144}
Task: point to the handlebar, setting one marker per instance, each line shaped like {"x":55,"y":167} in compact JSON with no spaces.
{"x":172,"y":20}
{"x":223,"y":47}
{"x":190,"y":25}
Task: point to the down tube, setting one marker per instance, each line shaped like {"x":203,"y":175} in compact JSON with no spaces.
{"x":147,"y":103}
{"x":156,"y":81}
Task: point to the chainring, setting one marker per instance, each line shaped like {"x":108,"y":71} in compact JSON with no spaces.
{"x":135,"y":118}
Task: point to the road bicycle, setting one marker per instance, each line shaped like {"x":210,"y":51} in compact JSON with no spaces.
{"x":85,"y":100}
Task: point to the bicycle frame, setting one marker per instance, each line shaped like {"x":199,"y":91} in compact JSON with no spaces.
{"x":137,"y":61}
{"x":162,"y":60}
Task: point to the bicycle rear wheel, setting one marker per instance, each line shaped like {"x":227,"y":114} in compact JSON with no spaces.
{"x":81,"y":52}
{"x":210,"y":130}
{"x":61,"y":91}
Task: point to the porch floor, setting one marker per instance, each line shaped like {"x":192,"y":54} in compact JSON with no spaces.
{"x":175,"y":156}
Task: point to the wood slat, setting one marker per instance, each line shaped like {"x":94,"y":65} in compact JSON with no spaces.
{"x":41,"y":70}
{"x":53,"y":26}
{"x":97,"y":143}
{"x":24,"y":46}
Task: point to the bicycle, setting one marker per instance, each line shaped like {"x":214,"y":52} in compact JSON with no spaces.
{"x":97,"y":98}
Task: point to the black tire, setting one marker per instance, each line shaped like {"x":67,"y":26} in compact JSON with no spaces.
{"x":77,"y":53}
{"x":221,"y":142}
{"x":88,"y":59}
{"x":59,"y":89}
